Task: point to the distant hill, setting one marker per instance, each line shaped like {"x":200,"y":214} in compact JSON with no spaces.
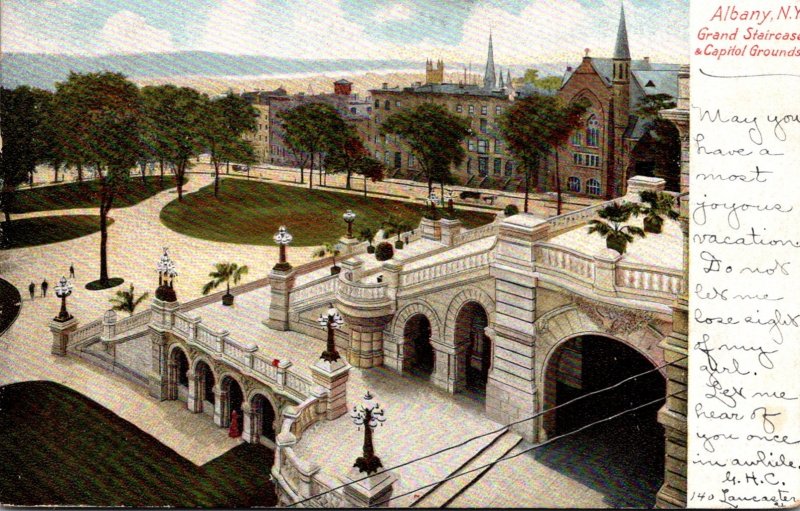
{"x":45,"y":70}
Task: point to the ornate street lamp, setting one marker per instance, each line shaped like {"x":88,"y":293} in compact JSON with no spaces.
{"x":63,"y":289}
{"x":433,"y":200}
{"x":282,"y":238}
{"x":332,"y":320}
{"x":449,"y":198}
{"x":349,"y":217}
{"x":166,"y":278}
{"x":369,"y":414}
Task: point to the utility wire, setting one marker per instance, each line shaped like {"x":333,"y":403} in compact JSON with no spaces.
{"x":529,"y":449}
{"x":503,"y":428}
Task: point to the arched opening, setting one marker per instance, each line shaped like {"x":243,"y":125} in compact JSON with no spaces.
{"x":205,"y":387}
{"x":626,"y":452}
{"x":179,"y":379}
{"x":419,"y":357}
{"x":234,"y":397}
{"x":264,"y":420}
{"x":476,"y":347}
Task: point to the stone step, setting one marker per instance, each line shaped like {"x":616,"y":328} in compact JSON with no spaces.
{"x":443,"y":494}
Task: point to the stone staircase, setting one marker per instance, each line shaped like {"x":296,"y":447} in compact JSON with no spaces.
{"x":444,"y":493}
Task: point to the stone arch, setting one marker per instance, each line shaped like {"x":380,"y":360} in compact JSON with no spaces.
{"x":410,"y":310}
{"x":231,"y":397}
{"x":471,"y":294}
{"x":597,"y":105}
{"x":263,"y":419}
{"x":178,"y":368}
{"x":201,"y":385}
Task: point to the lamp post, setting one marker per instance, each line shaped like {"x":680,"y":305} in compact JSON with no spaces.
{"x":368,"y":414}
{"x":282,"y":238}
{"x":166,"y":278}
{"x":349,"y":217}
{"x":433,"y":200}
{"x":63,"y":289}
{"x":331,"y":320}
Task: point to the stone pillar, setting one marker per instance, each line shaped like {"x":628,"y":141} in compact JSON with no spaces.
{"x":109,"y":325}
{"x":348,"y":245}
{"x":220,"y":406}
{"x":672,"y":415}
{"x":194,"y":401}
{"x":280,"y":283}
{"x":61,"y":331}
{"x":332,"y":377}
{"x":172,"y":380}
{"x":366,"y":343}
{"x":158,"y":378}
{"x":374,"y":491}
{"x":638,"y":184}
{"x":431,"y":229}
{"x":250,"y":430}
{"x":449,"y":230}
{"x":605,"y":264}
{"x":511,"y":392}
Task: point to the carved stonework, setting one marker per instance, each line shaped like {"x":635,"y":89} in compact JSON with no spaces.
{"x":247,"y":386}
{"x":613,"y":319}
{"x":541,"y":325}
{"x":191,"y":352}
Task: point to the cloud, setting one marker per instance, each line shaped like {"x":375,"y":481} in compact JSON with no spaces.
{"x":128,"y":32}
{"x":395,"y":12}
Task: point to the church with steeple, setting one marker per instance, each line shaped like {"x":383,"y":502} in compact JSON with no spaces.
{"x":616,"y":141}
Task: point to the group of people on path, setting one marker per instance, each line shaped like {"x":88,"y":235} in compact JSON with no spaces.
{"x":45,"y":284}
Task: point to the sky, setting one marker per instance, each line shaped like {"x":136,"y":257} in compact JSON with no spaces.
{"x":454,"y":30}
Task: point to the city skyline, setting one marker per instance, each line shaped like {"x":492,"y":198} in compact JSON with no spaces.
{"x":337,"y":29}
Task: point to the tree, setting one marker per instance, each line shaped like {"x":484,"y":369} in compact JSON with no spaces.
{"x":345,"y":156}
{"x":565,"y":119}
{"x":368,"y":235}
{"x":395,"y":226}
{"x":370,"y":168}
{"x":102,"y":112}
{"x":531,"y":76}
{"x":613,"y":227}
{"x":661,"y":140}
{"x":312,"y":129}
{"x":224,"y":273}
{"x":434,"y":136}
{"x":22,"y":112}
{"x":126,"y":301}
{"x":154,"y":132}
{"x":229,"y":117}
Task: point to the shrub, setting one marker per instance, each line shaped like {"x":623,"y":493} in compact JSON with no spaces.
{"x":384,"y":251}
{"x":511,"y":210}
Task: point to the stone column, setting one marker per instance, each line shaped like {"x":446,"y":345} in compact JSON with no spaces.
{"x":332,"y":377}
{"x":366,"y":343}
{"x":672,"y":415}
{"x":158,"y":378}
{"x":281,"y":283}
{"x":449,"y":230}
{"x":605,"y":271}
{"x":109,"y":325}
{"x":194,"y":401}
{"x":511,"y":392}
{"x":431,"y":229}
{"x":250,"y":430}
{"x":374,"y":491}
{"x":220,"y":406}
{"x":172,"y":380}
{"x":61,"y":331}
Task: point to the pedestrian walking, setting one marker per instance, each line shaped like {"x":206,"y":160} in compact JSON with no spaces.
{"x":71,"y":271}
{"x":32,"y":289}
{"x":44,"y":287}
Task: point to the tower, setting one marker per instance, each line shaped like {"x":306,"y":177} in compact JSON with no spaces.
{"x":434,"y":75}
{"x":489,"y":79}
{"x":620,"y":111}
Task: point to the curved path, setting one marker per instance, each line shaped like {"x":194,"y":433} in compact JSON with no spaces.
{"x":135,"y":244}
{"x":10,"y":305}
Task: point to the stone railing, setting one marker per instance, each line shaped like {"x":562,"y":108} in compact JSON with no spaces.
{"x":637,"y":279}
{"x":87,"y":331}
{"x":576,"y":218}
{"x":446,"y":268}
{"x":318,"y":290}
{"x":483,"y":231}
{"x":564,"y":261}
{"x":362,"y":291}
{"x":132,"y":323}
{"x":245,"y":358}
{"x":214,"y":297}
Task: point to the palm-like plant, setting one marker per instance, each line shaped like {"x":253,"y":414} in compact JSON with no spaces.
{"x":126,"y":301}
{"x":612,"y":226}
{"x":368,"y":235}
{"x":395,"y":226}
{"x":225,"y":272}
{"x":329,"y":249}
{"x":656,"y":204}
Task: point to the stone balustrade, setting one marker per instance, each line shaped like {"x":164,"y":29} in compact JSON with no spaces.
{"x":361,"y":291}
{"x":477,"y":233}
{"x":433,"y":271}
{"x":318,"y":290}
{"x":87,"y":331}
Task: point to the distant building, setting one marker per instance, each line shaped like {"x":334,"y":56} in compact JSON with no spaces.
{"x":614,"y":143}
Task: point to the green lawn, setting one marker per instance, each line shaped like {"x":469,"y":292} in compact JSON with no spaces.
{"x":85,"y":195}
{"x":251,"y":212}
{"x":42,"y":230}
{"x":60,"y":448}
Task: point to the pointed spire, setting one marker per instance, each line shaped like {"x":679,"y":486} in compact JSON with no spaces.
{"x":621,"y":51}
{"x":508,"y":77}
{"x":489,"y":79}
{"x":501,"y":84}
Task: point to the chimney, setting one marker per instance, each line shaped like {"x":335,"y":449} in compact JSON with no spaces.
{"x":569,"y":69}
{"x":385,"y":85}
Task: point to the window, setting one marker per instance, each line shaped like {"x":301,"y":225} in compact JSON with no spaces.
{"x":574,"y":184}
{"x":483,"y":146}
{"x":471,"y":109}
{"x":483,"y":165}
{"x":459,"y":108}
{"x":593,"y":132}
{"x":369,"y":109}
{"x":484,"y":109}
{"x":498,"y":166}
{"x":411,"y":161}
{"x":509,"y":168}
{"x":377,"y":119}
{"x":397,"y":103}
{"x":586,"y":160}
{"x":386,"y":157}
{"x":352,"y":110}
{"x":593,"y":187}
{"x":469,"y":165}
{"x":471,"y":145}
{"x":387,"y":105}
{"x":377,"y":103}
{"x":498,"y":110}
{"x":577,"y":138}
{"x":397,"y":160}
{"x":388,"y":139}
{"x":484,"y":126}
{"x":498,"y":146}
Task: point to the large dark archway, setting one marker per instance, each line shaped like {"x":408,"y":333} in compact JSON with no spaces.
{"x":264,"y":418}
{"x":476,"y":347}
{"x":205,"y":387}
{"x":624,"y":456}
{"x":419,"y":356}
{"x":234,"y":397}
{"x":179,"y":374}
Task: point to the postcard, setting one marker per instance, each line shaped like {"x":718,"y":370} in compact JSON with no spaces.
{"x":399,"y":253}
